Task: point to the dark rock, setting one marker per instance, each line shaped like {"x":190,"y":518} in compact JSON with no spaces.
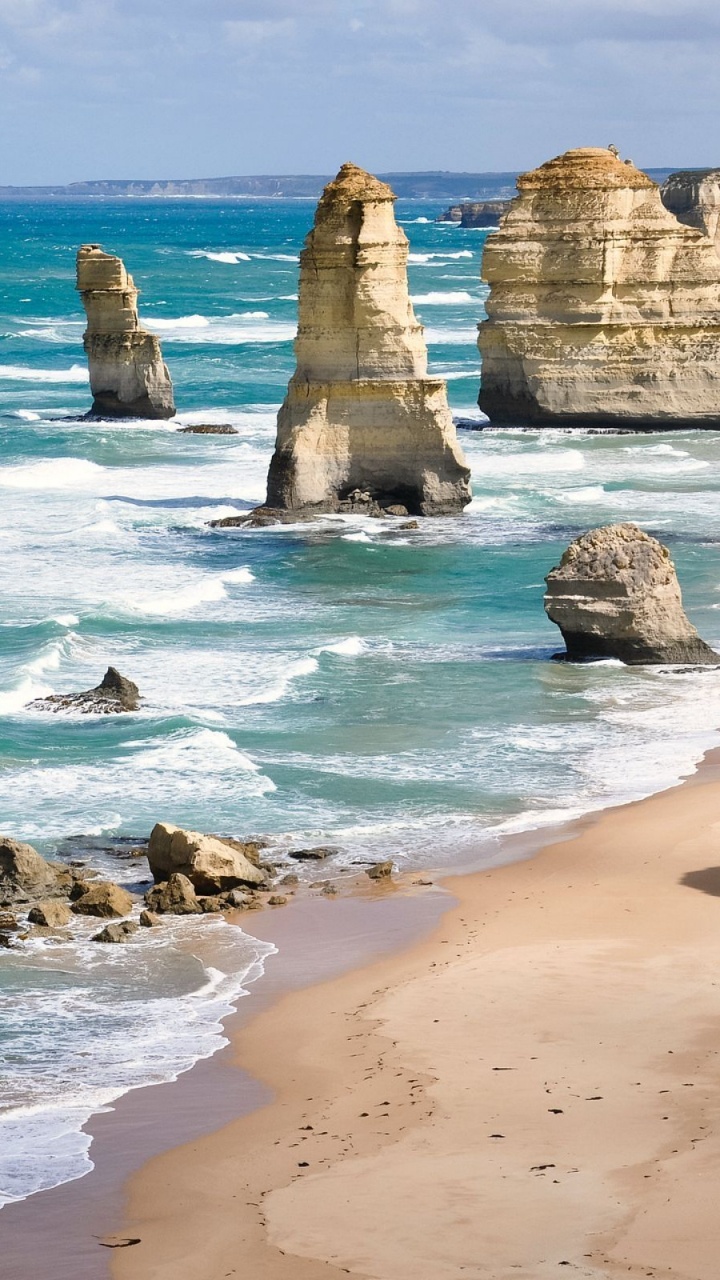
{"x":207,"y":429}
{"x":235,"y":898}
{"x":114,"y":694}
{"x":381,"y":871}
{"x":119,"y":932}
{"x":8,"y":922}
{"x":211,"y":905}
{"x":476,"y":213}
{"x":312,"y":855}
{"x":410,"y":524}
{"x":102,"y":898}
{"x":398,"y":510}
{"x":277,"y":900}
{"x":148,"y":920}
{"x":290,"y":879}
{"x":175,"y":897}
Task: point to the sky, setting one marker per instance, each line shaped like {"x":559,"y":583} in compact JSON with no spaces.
{"x":210,"y":88}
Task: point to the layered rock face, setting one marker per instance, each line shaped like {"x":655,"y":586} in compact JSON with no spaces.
{"x":603,"y":308}
{"x":128,"y":377}
{"x":615,"y":594}
{"x":361,"y":413}
{"x":476,"y":213}
{"x":693,"y":196}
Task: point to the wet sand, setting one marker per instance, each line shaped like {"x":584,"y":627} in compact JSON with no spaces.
{"x":531,"y":1091}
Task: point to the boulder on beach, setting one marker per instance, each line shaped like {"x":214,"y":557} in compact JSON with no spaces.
{"x":52,"y":914}
{"x":114,"y":694}
{"x":380,"y":871}
{"x":176,"y":896}
{"x":210,"y":864}
{"x":101,"y":898}
{"x":615,"y":594}
{"x":128,"y":377}
{"x":25,"y":875}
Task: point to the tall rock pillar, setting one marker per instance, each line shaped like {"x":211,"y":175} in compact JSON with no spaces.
{"x":603,"y":308}
{"x":361,"y":413}
{"x":128,"y":378}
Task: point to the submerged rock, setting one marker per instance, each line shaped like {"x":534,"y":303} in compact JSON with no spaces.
{"x":128,"y":377}
{"x":603,"y":308}
{"x":114,"y":694}
{"x":208,"y":429}
{"x":361,"y":412}
{"x":210,"y":864}
{"x":615,"y":594}
{"x":25,"y":875}
{"x":175,"y":897}
{"x":101,"y":898}
{"x":119,"y":932}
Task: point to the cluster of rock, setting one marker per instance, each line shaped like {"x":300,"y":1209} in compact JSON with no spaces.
{"x":361,"y":415}
{"x":475,"y":213}
{"x":128,"y":377}
{"x":603,"y":307}
{"x":615,"y":594}
{"x":114,"y":694}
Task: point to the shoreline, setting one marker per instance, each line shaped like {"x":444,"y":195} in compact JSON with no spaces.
{"x":356,"y":934}
{"x":439,"y":1153}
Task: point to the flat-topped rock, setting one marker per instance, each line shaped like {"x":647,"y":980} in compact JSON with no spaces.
{"x":361,"y":412}
{"x":128,"y":377}
{"x":615,"y":594}
{"x":603,"y":308}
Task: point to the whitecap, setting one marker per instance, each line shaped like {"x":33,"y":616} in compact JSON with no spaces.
{"x":349,"y":648}
{"x":23,"y":373}
{"x":27,"y":415}
{"x":227,"y":256}
{"x":513,"y":464}
{"x":277,"y":690}
{"x":51,"y":473}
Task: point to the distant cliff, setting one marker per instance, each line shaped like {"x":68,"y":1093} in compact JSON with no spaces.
{"x":434,"y":185}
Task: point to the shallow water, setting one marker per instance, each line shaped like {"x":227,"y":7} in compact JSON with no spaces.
{"x":349,"y":683}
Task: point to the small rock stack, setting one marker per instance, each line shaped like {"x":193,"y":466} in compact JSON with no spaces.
{"x":128,"y":377}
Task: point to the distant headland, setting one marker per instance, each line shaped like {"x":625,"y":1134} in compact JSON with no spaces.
{"x":433,"y":185}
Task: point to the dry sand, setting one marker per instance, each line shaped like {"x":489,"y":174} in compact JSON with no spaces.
{"x":532,"y":1092}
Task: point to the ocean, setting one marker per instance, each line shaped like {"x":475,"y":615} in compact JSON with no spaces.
{"x":345,"y":683}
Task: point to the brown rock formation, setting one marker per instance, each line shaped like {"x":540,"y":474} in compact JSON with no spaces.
{"x":175,"y":897}
{"x":603,"y":308}
{"x":615,"y":594}
{"x":128,"y":378}
{"x":54,"y":915}
{"x":211,"y":865}
{"x":101,"y":898}
{"x":361,"y":412}
{"x":25,"y":875}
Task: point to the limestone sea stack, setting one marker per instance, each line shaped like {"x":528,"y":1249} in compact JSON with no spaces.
{"x":693,"y":196}
{"x":603,"y":308}
{"x":128,"y":377}
{"x":361,"y":415}
{"x":615,"y":594}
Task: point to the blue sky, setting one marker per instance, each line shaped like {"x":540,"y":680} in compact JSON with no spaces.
{"x":206,"y":88}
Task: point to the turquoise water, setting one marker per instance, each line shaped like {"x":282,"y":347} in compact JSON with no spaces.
{"x":346,"y":682}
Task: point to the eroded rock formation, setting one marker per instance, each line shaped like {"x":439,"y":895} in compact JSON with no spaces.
{"x":361,"y":414}
{"x":603,"y":308}
{"x":210,"y":864}
{"x":615,"y":594}
{"x":114,"y":694}
{"x":128,"y":377}
{"x":693,"y":196}
{"x":475,"y":213}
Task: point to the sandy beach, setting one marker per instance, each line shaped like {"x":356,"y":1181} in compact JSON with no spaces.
{"x":532,"y":1087}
